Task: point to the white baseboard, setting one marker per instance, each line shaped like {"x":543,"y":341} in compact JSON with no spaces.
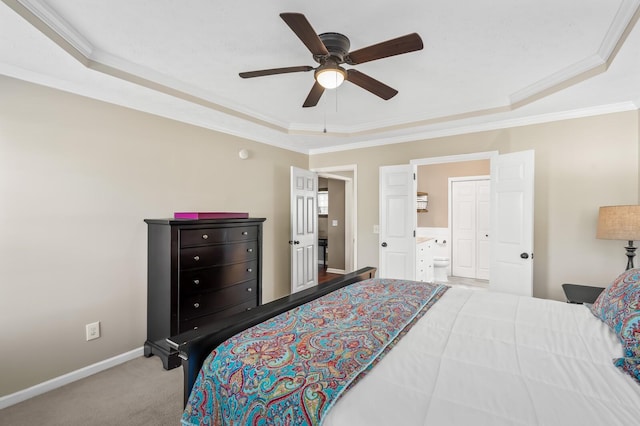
{"x":39,"y":389}
{"x":336,"y":271}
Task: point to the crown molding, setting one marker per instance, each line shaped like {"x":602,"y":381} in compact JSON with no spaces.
{"x":483,"y":127}
{"x":45,"y":19}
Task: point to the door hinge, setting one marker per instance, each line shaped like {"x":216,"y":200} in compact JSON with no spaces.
{"x":414,"y":176}
{"x":414,"y":233}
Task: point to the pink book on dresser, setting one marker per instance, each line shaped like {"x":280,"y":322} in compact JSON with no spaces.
{"x":210,"y":215}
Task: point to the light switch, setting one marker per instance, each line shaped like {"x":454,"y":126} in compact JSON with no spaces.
{"x":334,"y":222}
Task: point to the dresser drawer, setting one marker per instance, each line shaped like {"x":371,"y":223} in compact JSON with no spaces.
{"x":198,"y":237}
{"x":208,"y":303}
{"x":208,"y":319}
{"x":204,"y":236}
{"x":195,"y":281}
{"x":242,"y":233}
{"x":205,"y":256}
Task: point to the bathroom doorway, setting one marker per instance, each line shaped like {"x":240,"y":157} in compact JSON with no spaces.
{"x":452,"y":224}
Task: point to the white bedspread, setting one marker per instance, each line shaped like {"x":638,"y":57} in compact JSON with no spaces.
{"x":483,"y":358}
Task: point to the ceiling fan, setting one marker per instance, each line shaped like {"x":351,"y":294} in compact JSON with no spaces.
{"x":330,"y":50}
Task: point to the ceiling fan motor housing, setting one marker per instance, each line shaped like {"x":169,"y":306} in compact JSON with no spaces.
{"x":337,"y":44}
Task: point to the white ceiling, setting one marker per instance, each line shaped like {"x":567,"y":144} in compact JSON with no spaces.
{"x":486,"y":63}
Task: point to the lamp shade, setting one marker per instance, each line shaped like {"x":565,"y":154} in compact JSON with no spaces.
{"x":619,"y":223}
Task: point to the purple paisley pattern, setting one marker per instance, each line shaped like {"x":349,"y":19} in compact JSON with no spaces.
{"x":292,"y":368}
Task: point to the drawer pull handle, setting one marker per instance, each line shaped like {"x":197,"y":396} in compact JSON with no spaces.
{"x":196,"y":282}
{"x":196,"y":305}
{"x":196,"y":258}
{"x":245,"y":233}
{"x":249,"y":270}
{"x":248,"y":309}
{"x":205,"y":237}
{"x":250,"y":250}
{"x":249,"y":289}
{"x":195,"y":328}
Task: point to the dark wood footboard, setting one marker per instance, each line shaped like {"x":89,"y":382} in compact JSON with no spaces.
{"x":194,"y":346}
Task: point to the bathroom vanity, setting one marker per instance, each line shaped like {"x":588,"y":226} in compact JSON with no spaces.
{"x":424,"y":259}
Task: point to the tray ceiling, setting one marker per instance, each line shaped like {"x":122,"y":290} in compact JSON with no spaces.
{"x":485,"y":63}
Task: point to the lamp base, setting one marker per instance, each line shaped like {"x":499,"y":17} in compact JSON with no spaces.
{"x":631,"y":252}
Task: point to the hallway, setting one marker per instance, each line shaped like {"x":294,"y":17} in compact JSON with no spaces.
{"x":324,"y":276}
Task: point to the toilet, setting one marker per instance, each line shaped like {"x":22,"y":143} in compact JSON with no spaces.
{"x":440,"y":269}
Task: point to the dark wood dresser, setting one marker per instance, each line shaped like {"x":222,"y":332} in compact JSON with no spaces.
{"x":199,"y":271}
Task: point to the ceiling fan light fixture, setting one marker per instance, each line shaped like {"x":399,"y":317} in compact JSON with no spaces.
{"x":330,"y":75}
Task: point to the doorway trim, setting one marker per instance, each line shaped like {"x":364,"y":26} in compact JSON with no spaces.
{"x":351,"y":210}
{"x":486,"y":155}
{"x":456,"y":158}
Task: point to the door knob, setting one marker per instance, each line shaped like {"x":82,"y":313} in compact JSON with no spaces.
{"x":294,"y":242}
{"x":524,"y":255}
{"x":384,"y":244}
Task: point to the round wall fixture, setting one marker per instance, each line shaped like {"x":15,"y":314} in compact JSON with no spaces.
{"x":243,"y":154}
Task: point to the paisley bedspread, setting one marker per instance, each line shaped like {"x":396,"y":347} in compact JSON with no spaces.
{"x":291,"y":369}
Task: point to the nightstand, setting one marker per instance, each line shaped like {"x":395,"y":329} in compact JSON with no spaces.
{"x":576,"y":293}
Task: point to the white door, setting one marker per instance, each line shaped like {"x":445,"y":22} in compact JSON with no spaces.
{"x":512,"y":223}
{"x":304,"y":229}
{"x":483,"y":201}
{"x":470,"y":228}
{"x":464,"y":229}
{"x":397,"y":248}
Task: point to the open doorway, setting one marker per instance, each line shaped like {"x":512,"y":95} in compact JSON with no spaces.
{"x":336,"y":222}
{"x":511,"y":222}
{"x":453,"y":219}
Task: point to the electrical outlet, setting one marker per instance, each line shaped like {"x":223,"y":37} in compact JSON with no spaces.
{"x":93,"y":330}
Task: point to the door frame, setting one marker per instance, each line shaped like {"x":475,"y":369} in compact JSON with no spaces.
{"x":351,"y":210}
{"x":456,"y":158}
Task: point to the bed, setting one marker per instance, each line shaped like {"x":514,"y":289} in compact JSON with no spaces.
{"x":463,"y":356}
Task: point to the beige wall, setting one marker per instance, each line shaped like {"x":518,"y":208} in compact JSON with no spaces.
{"x":77,"y":178}
{"x":580,"y":164}
{"x":335,"y":258}
{"x":434,"y":179}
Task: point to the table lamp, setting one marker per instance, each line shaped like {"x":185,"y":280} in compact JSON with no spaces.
{"x":620,"y":223}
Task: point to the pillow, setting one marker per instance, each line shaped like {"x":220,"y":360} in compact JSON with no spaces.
{"x":629,"y":333}
{"x":613,"y":304}
{"x":631,"y":366}
{"x":618,"y":306}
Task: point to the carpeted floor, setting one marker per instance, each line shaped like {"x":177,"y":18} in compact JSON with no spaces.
{"x":138,"y":392}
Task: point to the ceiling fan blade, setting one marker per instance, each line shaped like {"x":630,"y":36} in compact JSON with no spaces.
{"x":303,"y":29}
{"x":260,"y":73}
{"x":396,"y":46}
{"x":314,"y":96}
{"x":371,"y":84}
